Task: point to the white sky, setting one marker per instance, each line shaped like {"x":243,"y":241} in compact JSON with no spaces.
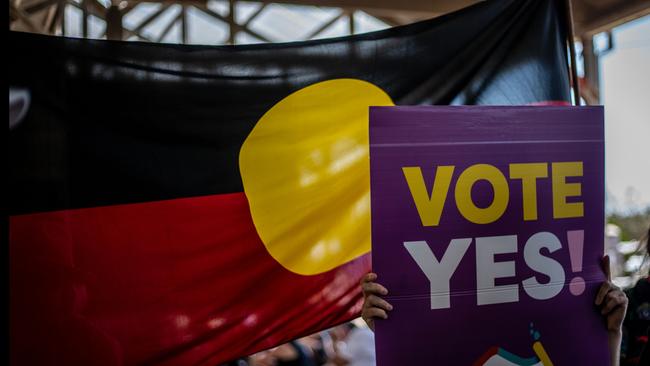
{"x":625,"y":93}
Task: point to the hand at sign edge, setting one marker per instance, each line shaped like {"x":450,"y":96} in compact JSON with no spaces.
{"x":611,"y":300}
{"x":374,"y":307}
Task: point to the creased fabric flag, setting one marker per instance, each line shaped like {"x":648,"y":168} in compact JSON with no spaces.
{"x":182,"y":205}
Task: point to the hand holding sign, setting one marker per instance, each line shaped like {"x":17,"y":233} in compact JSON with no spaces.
{"x":613,"y":305}
{"x":611,"y":300}
{"x":374,"y":307}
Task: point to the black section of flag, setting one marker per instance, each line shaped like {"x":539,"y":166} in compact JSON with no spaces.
{"x":122,"y":122}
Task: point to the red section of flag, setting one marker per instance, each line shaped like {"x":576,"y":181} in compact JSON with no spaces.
{"x":183,"y":281}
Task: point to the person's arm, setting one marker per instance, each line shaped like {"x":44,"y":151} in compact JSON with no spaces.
{"x":374,"y":307}
{"x":613,"y":304}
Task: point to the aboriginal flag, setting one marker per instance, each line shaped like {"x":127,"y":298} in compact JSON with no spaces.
{"x":190,"y":205}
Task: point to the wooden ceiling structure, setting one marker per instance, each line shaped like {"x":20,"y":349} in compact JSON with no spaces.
{"x":590,"y":17}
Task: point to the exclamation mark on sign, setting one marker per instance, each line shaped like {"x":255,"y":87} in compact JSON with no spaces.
{"x":576,"y":240}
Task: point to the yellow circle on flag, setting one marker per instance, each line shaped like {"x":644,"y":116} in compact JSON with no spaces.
{"x":306,"y":175}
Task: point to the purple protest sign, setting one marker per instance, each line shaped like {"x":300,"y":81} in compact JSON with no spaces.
{"x":487,"y":230}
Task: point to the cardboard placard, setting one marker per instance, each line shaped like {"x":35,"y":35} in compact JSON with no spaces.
{"x":487,"y":230}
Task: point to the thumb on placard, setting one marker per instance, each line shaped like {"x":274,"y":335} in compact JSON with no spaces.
{"x":606,"y":267}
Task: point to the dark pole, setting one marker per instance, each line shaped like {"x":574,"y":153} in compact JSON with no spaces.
{"x":231,"y":22}
{"x":114,"y":23}
{"x":572,"y":52}
{"x":84,"y":18}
